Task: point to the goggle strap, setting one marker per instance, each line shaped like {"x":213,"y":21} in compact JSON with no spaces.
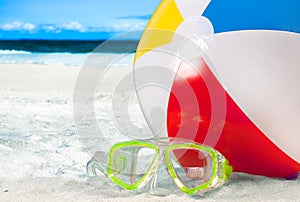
{"x":227,"y":170}
{"x":98,"y":161}
{"x":224,"y":171}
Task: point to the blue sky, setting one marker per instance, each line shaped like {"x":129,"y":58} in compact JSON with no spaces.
{"x":77,"y":19}
{"x":102,"y":19}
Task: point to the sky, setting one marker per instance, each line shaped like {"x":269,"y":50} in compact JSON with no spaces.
{"x":103,"y":19}
{"x":72,"y":19}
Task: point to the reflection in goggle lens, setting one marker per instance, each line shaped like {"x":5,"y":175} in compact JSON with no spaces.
{"x":192,"y":166}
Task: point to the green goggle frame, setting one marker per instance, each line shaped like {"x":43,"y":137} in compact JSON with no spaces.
{"x":132,"y":164}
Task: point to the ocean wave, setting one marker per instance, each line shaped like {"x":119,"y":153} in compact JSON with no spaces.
{"x":13,"y":52}
{"x":68,"y":59}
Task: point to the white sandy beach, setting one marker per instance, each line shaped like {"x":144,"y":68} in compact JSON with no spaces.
{"x":42,"y":158}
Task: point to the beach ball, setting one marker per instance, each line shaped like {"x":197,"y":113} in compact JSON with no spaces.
{"x":236,"y":89}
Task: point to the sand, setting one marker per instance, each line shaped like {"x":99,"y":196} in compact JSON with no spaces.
{"x":42,"y":158}
{"x":240,"y":188}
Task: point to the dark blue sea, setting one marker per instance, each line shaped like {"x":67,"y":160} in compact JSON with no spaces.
{"x":67,"y":52}
{"x":69,"y":46}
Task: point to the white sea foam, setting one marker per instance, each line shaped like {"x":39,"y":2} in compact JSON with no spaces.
{"x":13,"y":52}
{"x":68,"y":59}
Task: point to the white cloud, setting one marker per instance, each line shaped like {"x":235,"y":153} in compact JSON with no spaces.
{"x":11,"y":26}
{"x":120,"y":25}
{"x":17,"y":25}
{"x":129,"y":24}
{"x":28,"y":26}
{"x":21,"y":26}
{"x":48,"y":28}
{"x":128,"y":27}
{"x":75,"y":26}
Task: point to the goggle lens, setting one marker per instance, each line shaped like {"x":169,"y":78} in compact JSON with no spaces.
{"x":193,"y":167}
{"x":129,"y":164}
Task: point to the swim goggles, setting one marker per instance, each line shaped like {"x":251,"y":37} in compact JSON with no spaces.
{"x":192,"y":166}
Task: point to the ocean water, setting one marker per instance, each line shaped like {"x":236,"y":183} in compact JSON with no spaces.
{"x":68,"y":59}
{"x":69,"y":52}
